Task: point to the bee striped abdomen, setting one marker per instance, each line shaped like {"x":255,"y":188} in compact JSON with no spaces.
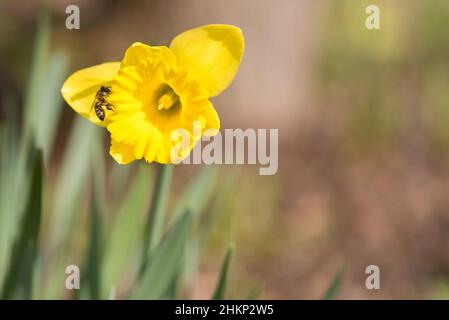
{"x":99,"y":111}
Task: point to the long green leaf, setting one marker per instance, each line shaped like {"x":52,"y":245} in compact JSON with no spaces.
{"x":127,"y":229}
{"x":165,"y":262}
{"x":65,"y":219}
{"x":19,"y":280}
{"x":48,"y":101}
{"x":71,"y":180}
{"x":197,"y":193}
{"x":217,"y":206}
{"x":195,"y":198}
{"x":332,"y":292}
{"x":155,"y":222}
{"x":94,"y":252}
{"x":15,"y":150}
{"x":37,"y":76}
{"x":221,"y":284}
{"x":222,"y":203}
{"x":9,"y":217}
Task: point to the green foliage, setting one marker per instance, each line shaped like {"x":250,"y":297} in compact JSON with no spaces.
{"x":219,"y":293}
{"x":18,"y":281}
{"x":164,"y":263}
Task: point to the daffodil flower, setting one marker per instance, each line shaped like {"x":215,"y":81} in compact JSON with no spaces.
{"x":155,"y":90}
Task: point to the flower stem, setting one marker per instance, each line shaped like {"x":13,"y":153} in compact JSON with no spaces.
{"x":155,"y":222}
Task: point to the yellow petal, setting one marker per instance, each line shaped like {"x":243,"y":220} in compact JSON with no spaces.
{"x":212,"y":53}
{"x":121,"y":152}
{"x":138,"y":52}
{"x":212,"y":120}
{"x":80,"y":88}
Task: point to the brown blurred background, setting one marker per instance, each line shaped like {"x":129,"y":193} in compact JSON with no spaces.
{"x":363,"y":119}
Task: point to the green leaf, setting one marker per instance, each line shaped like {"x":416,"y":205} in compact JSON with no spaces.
{"x":122,"y":245}
{"x":9,"y":184}
{"x":94,"y":252}
{"x":221,"y":285}
{"x":165,"y":262}
{"x":15,"y":183}
{"x":49,"y":101}
{"x":68,"y":194}
{"x":37,"y":76}
{"x":254,"y":294}
{"x":222,"y":203}
{"x":15,"y":150}
{"x":197,"y":193}
{"x":195,"y":198}
{"x":155,"y":222}
{"x":335,"y":285}
{"x":19,"y":280}
{"x":71,"y":180}
{"x":216,"y":207}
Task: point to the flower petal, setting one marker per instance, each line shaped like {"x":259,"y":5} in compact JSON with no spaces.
{"x":212,"y":119}
{"x":121,"y":152}
{"x":212,"y":53}
{"x":139,"y":52}
{"x":80,"y":88}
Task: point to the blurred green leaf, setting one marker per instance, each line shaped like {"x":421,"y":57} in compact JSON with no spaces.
{"x":197,"y":193}
{"x":94,"y":252}
{"x":218,"y":205}
{"x":14,"y":184}
{"x":254,"y":294}
{"x":334,"y":288}
{"x":19,"y":280}
{"x":49,"y":101}
{"x":155,"y":223}
{"x":221,"y":284}
{"x":14,"y":180}
{"x":10,"y":128}
{"x":221,"y":203}
{"x":66,"y":202}
{"x":9,"y":164}
{"x":98,"y":172}
{"x":165,"y":262}
{"x":195,"y":198}
{"x":37,"y":77}
{"x":71,"y":181}
{"x":123,"y":245}
{"x":117,"y":175}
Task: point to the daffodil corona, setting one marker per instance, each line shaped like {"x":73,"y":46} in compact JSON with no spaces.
{"x":157,"y":90}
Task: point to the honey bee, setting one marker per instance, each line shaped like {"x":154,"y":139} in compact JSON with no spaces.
{"x":100,"y":102}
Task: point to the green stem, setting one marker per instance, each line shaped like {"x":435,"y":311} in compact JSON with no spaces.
{"x":155,"y":222}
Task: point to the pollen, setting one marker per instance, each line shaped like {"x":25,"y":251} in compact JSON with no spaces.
{"x":167,"y":100}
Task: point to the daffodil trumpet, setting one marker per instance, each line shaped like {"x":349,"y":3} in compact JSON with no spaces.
{"x":155,"y":90}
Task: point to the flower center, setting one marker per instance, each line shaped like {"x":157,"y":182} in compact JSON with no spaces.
{"x":167,"y":98}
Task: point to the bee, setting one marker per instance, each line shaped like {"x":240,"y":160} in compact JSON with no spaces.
{"x":100,"y":102}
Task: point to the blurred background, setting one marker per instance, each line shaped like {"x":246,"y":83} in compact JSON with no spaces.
{"x":363,"y":119}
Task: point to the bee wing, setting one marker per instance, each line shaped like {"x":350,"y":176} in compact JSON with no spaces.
{"x":91,"y":107}
{"x":93,"y":103}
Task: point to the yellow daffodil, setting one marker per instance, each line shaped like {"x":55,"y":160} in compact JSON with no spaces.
{"x":156,"y":90}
